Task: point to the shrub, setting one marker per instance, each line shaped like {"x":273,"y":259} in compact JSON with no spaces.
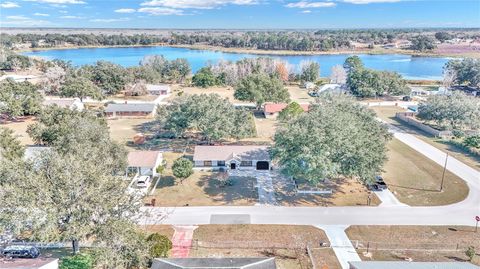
{"x":79,"y":261}
{"x":472,"y":141}
{"x":159,"y":245}
{"x":182,"y":168}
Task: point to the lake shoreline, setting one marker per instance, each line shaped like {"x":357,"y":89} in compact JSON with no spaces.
{"x":258,"y":51}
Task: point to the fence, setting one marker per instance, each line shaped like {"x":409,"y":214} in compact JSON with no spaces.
{"x":388,"y":246}
{"x":407,"y":117}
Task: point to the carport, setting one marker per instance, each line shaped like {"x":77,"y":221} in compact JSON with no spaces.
{"x":263,"y":165}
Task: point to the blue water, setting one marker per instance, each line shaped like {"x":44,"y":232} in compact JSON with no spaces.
{"x":410,"y":67}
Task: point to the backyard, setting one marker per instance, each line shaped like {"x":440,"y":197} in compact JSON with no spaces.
{"x":418,"y":243}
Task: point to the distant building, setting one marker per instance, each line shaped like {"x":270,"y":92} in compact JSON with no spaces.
{"x":271,"y":110}
{"x":209,"y":263}
{"x":71,"y":103}
{"x":232,"y":157}
{"x":37,"y":263}
{"x":19,"y":78}
{"x":161,"y":89}
{"x":144,"y":163}
{"x":411,"y":265}
{"x":309,"y":85}
{"x":130,"y":110}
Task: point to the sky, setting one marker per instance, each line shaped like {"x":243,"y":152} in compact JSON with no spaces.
{"x":240,"y":14}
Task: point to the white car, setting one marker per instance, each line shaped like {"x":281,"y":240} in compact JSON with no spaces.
{"x":143,"y":182}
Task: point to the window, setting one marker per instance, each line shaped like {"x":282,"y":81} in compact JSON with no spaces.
{"x":246,"y":163}
{"x":220,"y":163}
{"x":207,"y":163}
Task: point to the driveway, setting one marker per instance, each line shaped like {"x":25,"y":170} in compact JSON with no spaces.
{"x":266,"y":191}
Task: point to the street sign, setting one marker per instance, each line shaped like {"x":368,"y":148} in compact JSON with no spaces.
{"x":477,"y":218}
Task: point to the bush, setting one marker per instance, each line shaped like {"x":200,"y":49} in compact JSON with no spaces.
{"x":79,"y":261}
{"x":182,"y":168}
{"x":159,"y":245}
{"x":472,"y":141}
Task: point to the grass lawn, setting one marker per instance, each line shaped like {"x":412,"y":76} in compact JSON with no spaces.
{"x":346,"y":192}
{"x":387,"y":113}
{"x":20,"y":129}
{"x":299,"y":95}
{"x":287,"y":243}
{"x":265,"y":128}
{"x":420,"y":243}
{"x":122,"y":130}
{"x":202,"y":189}
{"x":415,"y":179}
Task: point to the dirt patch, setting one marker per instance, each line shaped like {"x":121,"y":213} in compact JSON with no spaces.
{"x":419,"y":243}
{"x":166,"y":230}
{"x":19,"y":128}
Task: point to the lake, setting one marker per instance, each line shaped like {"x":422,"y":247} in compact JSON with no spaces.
{"x":410,"y":67}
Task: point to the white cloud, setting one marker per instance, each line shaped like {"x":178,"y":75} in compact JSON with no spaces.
{"x":161,"y":11}
{"x":197,"y":4}
{"x":305,"y":4}
{"x":20,"y":21}
{"x":110,"y":20}
{"x":9,"y":5}
{"x":63,"y":11}
{"x":362,"y":2}
{"x":71,"y":17}
{"x":19,"y":17}
{"x":306,"y":11}
{"x":125,"y":10}
{"x":59,"y":2}
{"x":41,"y":14}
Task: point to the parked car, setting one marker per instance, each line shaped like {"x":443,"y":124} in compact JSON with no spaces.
{"x":313,"y":93}
{"x":21,"y":251}
{"x":143,"y":182}
{"x":378,"y":184}
{"x":407,"y":98}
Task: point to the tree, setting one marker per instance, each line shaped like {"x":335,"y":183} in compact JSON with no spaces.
{"x":54,"y":78}
{"x":291,"y":111}
{"x":370,"y":83}
{"x":204,"y":78}
{"x":159,"y":245}
{"x":422,"y":43}
{"x":282,"y":71}
{"x":19,"y":98}
{"x":80,"y":87}
{"x":210,"y":115}
{"x":79,"y":261}
{"x":260,"y":88}
{"x":165,"y":70}
{"x":310,"y":71}
{"x":109,"y":77}
{"x":10,"y":147}
{"x":470,"y":252}
{"x":337,"y":137}
{"x":338,"y":75}
{"x":182,"y":168}
{"x":457,"y":111}
{"x":467,"y":71}
{"x":137,"y":89}
{"x":443,"y":36}
{"x":472,"y":141}
{"x":352,"y":63}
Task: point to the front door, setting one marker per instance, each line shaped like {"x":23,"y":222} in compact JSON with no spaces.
{"x":233,"y":166}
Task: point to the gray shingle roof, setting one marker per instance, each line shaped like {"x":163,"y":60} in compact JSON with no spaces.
{"x":412,"y":265}
{"x":219,"y":153}
{"x":214,"y":263}
{"x":131,"y":107}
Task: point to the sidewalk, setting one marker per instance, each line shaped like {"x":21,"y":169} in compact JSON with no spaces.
{"x":341,"y":244}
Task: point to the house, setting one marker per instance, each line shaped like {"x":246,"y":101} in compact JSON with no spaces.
{"x":19,"y":78}
{"x":37,"y":263}
{"x":161,"y":89}
{"x":411,"y":265}
{"x":232,"y":157}
{"x":144,"y":163}
{"x":71,"y":103}
{"x":271,"y":110}
{"x":210,"y":263}
{"x":309,"y":85}
{"x":331,"y":87}
{"x":130,"y":110}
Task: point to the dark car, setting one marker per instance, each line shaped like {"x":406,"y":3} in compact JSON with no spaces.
{"x":407,"y":98}
{"x":21,"y":251}
{"x":378,"y":184}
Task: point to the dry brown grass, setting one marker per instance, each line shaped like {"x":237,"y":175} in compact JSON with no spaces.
{"x":19,"y":128}
{"x":415,"y":179}
{"x":122,"y":130}
{"x":166,"y":230}
{"x":420,"y":243}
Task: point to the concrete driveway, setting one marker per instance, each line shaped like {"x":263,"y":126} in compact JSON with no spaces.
{"x":266,"y":191}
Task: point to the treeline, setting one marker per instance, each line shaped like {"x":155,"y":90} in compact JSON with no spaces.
{"x":322,"y":40}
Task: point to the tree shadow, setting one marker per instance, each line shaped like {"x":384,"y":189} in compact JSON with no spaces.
{"x":413,"y":188}
{"x":166,"y":181}
{"x":241,"y":189}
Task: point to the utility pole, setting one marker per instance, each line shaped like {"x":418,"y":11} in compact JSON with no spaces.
{"x":443,"y":174}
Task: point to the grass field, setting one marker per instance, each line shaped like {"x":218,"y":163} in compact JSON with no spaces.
{"x":415,"y":179}
{"x":123,"y":130}
{"x":19,"y":127}
{"x":419,"y":243}
{"x":284,"y":242}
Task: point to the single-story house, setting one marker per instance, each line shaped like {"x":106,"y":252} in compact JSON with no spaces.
{"x":271,"y":110}
{"x":71,"y":103}
{"x":411,"y":265}
{"x":161,"y":89}
{"x":37,"y":263}
{"x":130,"y":110}
{"x":332,"y":88}
{"x":232,"y":157}
{"x":309,"y":85}
{"x":210,"y":263}
{"x":19,"y":78}
{"x":144,"y":163}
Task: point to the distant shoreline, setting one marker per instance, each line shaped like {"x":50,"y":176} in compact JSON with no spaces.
{"x":377,"y":51}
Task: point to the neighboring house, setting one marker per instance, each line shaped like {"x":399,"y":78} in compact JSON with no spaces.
{"x":144,"y":163}
{"x":232,"y":157}
{"x":37,"y":263}
{"x":331,"y":87}
{"x":309,"y":85}
{"x":271,"y":110}
{"x":161,"y":89}
{"x":33,"y":152}
{"x":209,"y":263}
{"x":71,"y":103}
{"x":411,"y":265}
{"x":19,"y":78}
{"x":130,"y":110}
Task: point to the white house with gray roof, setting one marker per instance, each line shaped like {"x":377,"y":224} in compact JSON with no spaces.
{"x":214,"y":263}
{"x":115,"y":110}
{"x":232,"y":157}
